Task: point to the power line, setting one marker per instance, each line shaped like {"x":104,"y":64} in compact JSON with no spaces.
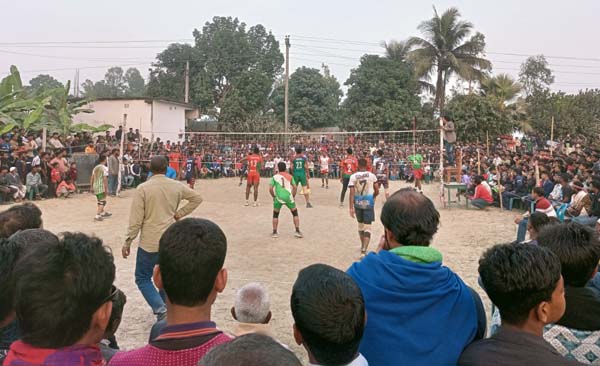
{"x":70,"y":57}
{"x":94,"y":42}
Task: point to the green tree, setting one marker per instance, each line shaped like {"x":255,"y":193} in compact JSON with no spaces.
{"x":382,"y":95}
{"x":135,"y":83}
{"x":535,"y":75}
{"x":314,"y":99}
{"x":502,"y":86}
{"x":447,"y":48}
{"x":476,"y":114}
{"x":17,"y":107}
{"x":167,"y":77}
{"x":43,"y":82}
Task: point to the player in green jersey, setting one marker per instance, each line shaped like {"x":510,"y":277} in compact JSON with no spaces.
{"x":99,"y":187}
{"x":416,"y":161}
{"x":283,"y":189}
{"x":300,"y":171}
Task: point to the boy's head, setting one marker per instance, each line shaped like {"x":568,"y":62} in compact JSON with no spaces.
{"x":329,"y":314}
{"x":298,"y":150}
{"x":190,"y":269}
{"x":379,"y":152}
{"x":524,"y":282}
{"x":281,"y":166}
{"x":64,"y":292}
{"x":349,"y":151}
{"x":20,"y":217}
{"x":578,"y":249}
{"x":250,"y":350}
{"x":256,"y":150}
{"x":362,"y":164}
{"x":537,"y":221}
{"x":537,"y":192}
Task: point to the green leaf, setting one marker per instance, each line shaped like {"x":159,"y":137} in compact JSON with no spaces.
{"x":33,"y":117}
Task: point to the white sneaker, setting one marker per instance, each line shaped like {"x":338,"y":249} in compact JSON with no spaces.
{"x":274,"y":235}
{"x":255,"y":204}
{"x":246,"y":204}
{"x":98,"y":218}
{"x":298,"y":235}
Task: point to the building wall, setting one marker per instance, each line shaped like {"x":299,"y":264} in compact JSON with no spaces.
{"x":169,"y":119}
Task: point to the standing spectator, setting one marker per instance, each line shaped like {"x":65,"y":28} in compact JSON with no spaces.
{"x":55,"y":142}
{"x":119,"y":133}
{"x":329,"y":315}
{"x":90,"y":149}
{"x":409,"y":292}
{"x":59,"y":159}
{"x":15,"y":184}
{"x":449,"y":138}
{"x":35,"y":188}
{"x":63,"y":303}
{"x":525,"y":283}
{"x":190,"y":270}
{"x":154,"y":208}
{"x":113,"y":172}
{"x":252,"y":311}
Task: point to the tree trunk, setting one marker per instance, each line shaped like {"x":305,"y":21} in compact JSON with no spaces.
{"x":443,"y":95}
{"x":439,"y":90}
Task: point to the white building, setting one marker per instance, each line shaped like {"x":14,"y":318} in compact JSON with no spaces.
{"x":153,"y":117}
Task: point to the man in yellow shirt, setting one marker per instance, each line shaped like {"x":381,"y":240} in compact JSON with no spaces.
{"x":155,"y":206}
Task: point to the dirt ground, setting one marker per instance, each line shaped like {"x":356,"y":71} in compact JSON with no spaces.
{"x":253,"y":256}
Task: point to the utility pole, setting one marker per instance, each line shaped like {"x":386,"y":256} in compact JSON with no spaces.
{"x":287,"y":80}
{"x":187,"y":81}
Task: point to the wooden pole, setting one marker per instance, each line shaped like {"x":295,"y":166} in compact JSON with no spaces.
{"x":487,"y":142}
{"x":552,"y":137}
{"x":442,"y":192}
{"x":286,"y":89}
{"x":478,"y":160}
{"x":119,"y":176}
{"x":44,"y":134}
{"x":500,"y":188}
{"x":537,"y":174}
{"x":414,"y":136}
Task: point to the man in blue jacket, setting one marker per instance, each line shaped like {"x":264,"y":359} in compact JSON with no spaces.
{"x":419,"y":312}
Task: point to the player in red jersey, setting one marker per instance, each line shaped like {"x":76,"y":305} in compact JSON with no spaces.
{"x":254,"y":162}
{"x":348,"y":166}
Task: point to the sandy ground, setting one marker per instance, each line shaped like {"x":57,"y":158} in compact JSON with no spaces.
{"x":330,"y":237}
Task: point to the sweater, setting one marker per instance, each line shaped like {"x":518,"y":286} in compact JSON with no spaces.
{"x":419,"y":312}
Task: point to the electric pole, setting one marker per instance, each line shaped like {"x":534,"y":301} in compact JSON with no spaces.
{"x":287,"y":81}
{"x":187,"y":81}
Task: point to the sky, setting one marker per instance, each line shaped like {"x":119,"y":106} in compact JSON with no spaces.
{"x":336,"y":33}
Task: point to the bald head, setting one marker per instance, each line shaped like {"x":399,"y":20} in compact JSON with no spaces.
{"x":158,"y":165}
{"x":411,"y":218}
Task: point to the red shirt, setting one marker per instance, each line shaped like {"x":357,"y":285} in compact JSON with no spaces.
{"x":254,"y":162}
{"x":349,"y":165}
{"x":483,"y":193}
{"x":55,"y":176}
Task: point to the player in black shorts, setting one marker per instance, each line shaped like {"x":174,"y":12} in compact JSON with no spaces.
{"x":190,"y":169}
{"x":381,"y":170}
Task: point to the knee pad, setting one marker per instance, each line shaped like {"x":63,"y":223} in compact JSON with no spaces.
{"x":361,"y":226}
{"x":275,"y":214}
{"x":295,"y":213}
{"x":102,"y":203}
{"x":367,"y":230}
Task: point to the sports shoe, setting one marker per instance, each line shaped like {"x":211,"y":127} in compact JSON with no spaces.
{"x":274,"y":235}
{"x":308,"y":205}
{"x":246,"y":204}
{"x":322,"y":185}
{"x":298,"y":235}
{"x":363,"y":253}
{"x":98,"y":218}
{"x":106,"y":214}
{"x":341,"y":204}
{"x":255,"y":204}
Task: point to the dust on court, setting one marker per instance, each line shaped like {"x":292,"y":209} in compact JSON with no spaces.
{"x":330,"y":236}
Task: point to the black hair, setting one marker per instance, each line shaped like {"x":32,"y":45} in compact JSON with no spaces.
{"x":60,"y":287}
{"x":256,"y":150}
{"x":380,"y":152}
{"x":349,"y":150}
{"x":595,"y":183}
{"x":250,"y":350}
{"x":190,"y":255}
{"x":158,"y":164}
{"x":538,"y":220}
{"x":411,"y":217}
{"x":578,"y":249}
{"x":518,"y":277}
{"x":478,"y":179}
{"x":539,"y":191}
{"x":362,"y":163}
{"x":448,"y":117}
{"x":329,"y":311}
{"x":20,"y":217}
{"x":101,"y":158}
{"x":281,"y":166}
{"x":298,"y":150}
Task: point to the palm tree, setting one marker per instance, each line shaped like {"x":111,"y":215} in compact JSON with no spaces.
{"x":396,"y":50}
{"x":445,"y":49}
{"x":502,"y":86}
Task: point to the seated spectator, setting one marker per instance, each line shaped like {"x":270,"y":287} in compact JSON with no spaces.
{"x":250,"y":350}
{"x":15,"y":184}
{"x":5,"y":190}
{"x":10,"y":252}
{"x":252,"y":311}
{"x":483,"y":196}
{"x":594,"y":207}
{"x":35,"y":188}
{"x":329,"y":315}
{"x":66,"y":188}
{"x":20,"y":217}
{"x":409,"y":292}
{"x":578,"y":249}
{"x":525,"y":283}
{"x":541,"y":204}
{"x":581,"y":203}
{"x":546,"y":184}
{"x":108,"y":345}
{"x":517,"y":187}
{"x":536,"y":222}
{"x":63,"y":301}
{"x":190,"y":270}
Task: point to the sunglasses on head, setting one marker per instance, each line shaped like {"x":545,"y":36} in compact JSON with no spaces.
{"x":113,"y":294}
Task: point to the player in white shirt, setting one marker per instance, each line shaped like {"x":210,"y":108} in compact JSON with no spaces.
{"x":324,"y":162}
{"x":363,"y":191}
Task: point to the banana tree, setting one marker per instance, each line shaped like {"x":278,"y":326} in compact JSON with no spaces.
{"x":17,"y":108}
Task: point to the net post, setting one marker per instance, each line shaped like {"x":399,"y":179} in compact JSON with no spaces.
{"x":442,"y":160}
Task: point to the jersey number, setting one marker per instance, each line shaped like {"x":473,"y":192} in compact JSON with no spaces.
{"x":299,"y":165}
